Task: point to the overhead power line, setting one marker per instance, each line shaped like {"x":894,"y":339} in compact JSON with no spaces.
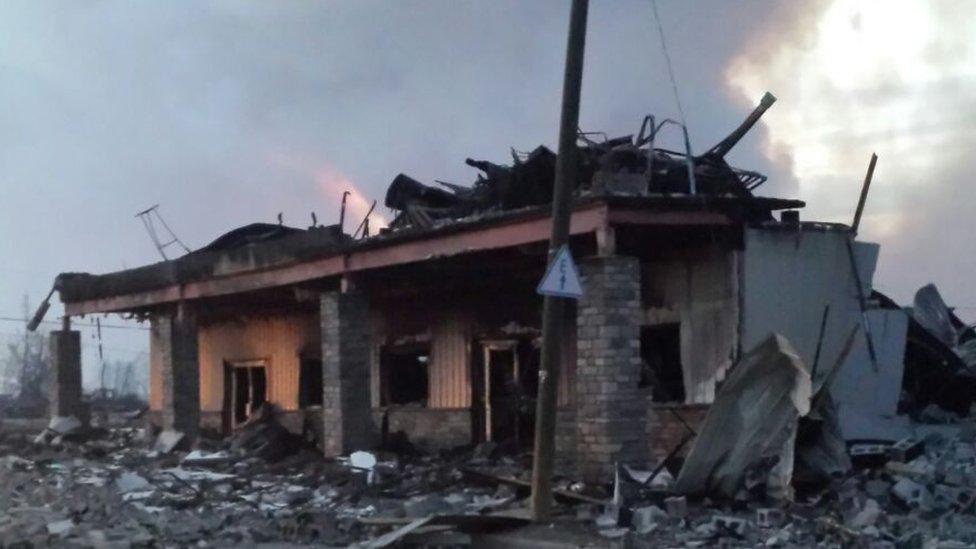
{"x":81,"y":324}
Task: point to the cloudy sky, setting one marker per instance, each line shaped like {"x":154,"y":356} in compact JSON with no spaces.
{"x":225,"y":113}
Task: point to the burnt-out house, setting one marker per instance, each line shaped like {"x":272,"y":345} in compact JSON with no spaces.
{"x":432,"y":327}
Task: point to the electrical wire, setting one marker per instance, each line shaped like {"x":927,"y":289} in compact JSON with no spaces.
{"x":79,"y":324}
{"x":667,"y":58}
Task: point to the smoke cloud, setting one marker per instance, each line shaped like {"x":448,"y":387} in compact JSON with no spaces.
{"x":898,"y":78}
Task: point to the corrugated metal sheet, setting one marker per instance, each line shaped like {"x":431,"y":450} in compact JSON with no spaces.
{"x":449,"y":370}
{"x":277,"y":340}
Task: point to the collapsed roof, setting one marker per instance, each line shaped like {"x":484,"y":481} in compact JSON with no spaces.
{"x":625,"y":172}
{"x":623,"y":165}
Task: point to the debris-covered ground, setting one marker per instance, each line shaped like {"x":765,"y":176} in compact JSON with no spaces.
{"x":111,"y":490}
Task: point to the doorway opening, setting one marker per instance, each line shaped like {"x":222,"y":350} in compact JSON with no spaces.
{"x":661,"y":370}
{"x":245,"y":390}
{"x":509,"y":377}
{"x":310,"y":383}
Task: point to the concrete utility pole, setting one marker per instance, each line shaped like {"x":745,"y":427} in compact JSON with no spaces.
{"x":553,"y":311}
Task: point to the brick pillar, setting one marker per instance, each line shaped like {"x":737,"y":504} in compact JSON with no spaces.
{"x":611,"y":412}
{"x":345,"y":373}
{"x":66,"y":368}
{"x":176,"y":335}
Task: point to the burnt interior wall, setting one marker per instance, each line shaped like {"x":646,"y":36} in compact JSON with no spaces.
{"x":689,"y":278}
{"x":454,"y":307}
{"x":280,"y":338}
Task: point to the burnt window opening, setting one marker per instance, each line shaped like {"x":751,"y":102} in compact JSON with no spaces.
{"x":310,"y":383}
{"x":661,"y":372}
{"x":403,"y":375}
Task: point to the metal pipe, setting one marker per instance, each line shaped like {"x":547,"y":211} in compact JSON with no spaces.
{"x":725,"y":145}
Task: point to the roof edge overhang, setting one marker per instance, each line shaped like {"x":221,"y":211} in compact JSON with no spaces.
{"x":479,"y":233}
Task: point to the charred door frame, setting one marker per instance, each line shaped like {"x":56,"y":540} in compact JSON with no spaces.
{"x":487,"y":346}
{"x":230,"y":390}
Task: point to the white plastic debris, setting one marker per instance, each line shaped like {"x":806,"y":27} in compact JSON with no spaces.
{"x":362,"y":460}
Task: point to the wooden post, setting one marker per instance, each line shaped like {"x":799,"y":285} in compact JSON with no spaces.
{"x":861,"y":298}
{"x":864,"y":194}
{"x":553,"y":311}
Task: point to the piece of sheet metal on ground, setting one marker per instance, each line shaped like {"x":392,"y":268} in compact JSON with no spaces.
{"x":561,"y":278}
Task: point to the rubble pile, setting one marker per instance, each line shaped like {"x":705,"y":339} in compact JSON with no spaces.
{"x":112,"y":491}
{"x":925,"y":502}
{"x":107,"y":489}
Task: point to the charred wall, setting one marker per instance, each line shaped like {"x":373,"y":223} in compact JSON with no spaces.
{"x":698,"y":292}
{"x":278,"y":340}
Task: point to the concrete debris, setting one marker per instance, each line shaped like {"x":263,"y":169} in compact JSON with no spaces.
{"x":677,"y":506}
{"x":60,"y":528}
{"x":124,"y":495}
{"x":647,"y":519}
{"x":168,"y":441}
{"x":65,"y":425}
{"x":906,"y":450}
{"x":769,"y":517}
{"x":131,"y":482}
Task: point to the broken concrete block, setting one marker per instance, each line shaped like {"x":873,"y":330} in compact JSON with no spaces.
{"x":967,"y":431}
{"x":60,"y":528}
{"x":877,"y":488}
{"x":868,"y":456}
{"x":950,"y":497}
{"x":906,"y":450}
{"x":607,"y":519}
{"x":131,"y":482}
{"x":423,"y":506}
{"x":954,"y":477}
{"x":912,"y":494}
{"x":613,"y":533}
{"x":676,"y":506}
{"x":965,"y":452}
{"x":65,"y":425}
{"x":484,"y":450}
{"x":867,"y":516}
{"x":646,"y":519}
{"x":770,"y":517}
{"x":168,"y":441}
{"x":586,"y":513}
{"x":729,"y":525}
{"x":457,"y":502}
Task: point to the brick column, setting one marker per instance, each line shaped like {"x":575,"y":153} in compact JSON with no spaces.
{"x":345,"y":373}
{"x":611,"y":412}
{"x":176,"y":335}
{"x":65,"y":349}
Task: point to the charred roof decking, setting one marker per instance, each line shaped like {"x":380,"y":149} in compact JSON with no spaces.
{"x":619,"y":165}
{"x":322,"y":252}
